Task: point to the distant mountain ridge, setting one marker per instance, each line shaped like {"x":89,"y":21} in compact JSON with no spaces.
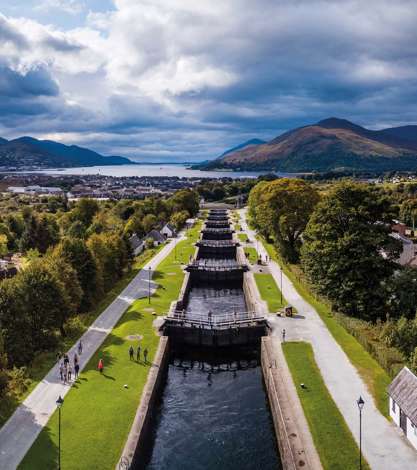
{"x":330,"y":144}
{"x":28,"y":152}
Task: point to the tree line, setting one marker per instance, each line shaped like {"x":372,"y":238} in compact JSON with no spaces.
{"x":340,"y":237}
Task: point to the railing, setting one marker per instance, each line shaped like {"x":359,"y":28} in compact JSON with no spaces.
{"x":215,"y":320}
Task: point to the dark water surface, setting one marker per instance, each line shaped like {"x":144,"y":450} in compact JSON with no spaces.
{"x":213,"y":416}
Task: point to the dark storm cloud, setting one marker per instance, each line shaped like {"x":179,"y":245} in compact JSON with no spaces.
{"x":34,"y":82}
{"x":61,"y":44}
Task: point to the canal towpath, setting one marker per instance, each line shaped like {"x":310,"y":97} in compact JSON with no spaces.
{"x":20,"y":431}
{"x":383,"y":444}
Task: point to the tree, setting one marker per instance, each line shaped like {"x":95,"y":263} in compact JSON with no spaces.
{"x":44,"y":298}
{"x":15,"y":322}
{"x":178,"y":219}
{"x":342,"y":250}
{"x":149,"y":222}
{"x":408,"y":212}
{"x":185,"y":199}
{"x":282,"y":208}
{"x":402,"y":293}
{"x":77,"y":254}
{"x":85,"y":210}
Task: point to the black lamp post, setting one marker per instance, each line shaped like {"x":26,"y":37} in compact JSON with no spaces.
{"x":59,"y":404}
{"x":149,"y":285}
{"x":360,"y":403}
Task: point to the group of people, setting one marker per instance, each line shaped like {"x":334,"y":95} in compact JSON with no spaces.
{"x":138,"y":351}
{"x":67,"y":372}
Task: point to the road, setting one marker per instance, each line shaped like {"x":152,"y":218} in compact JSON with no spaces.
{"x":384,"y":446}
{"x":20,"y":431}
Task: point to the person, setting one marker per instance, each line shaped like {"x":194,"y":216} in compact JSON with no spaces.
{"x":145,"y":355}
{"x":100,"y":366}
{"x":69,"y":373}
{"x":76,"y":370}
{"x":283,"y":335}
{"x":65,"y":373}
{"x":138,"y":354}
{"x":80,"y":348}
{"x":61,"y":371}
{"x":131,"y":352}
{"x":75,"y":359}
{"x":66,"y":359}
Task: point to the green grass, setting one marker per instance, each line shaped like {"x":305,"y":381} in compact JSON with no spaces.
{"x":375,"y":377}
{"x":238,"y":227}
{"x":269,"y":291}
{"x":75,"y":328}
{"x":98,"y":411}
{"x":242,"y":237}
{"x":333,"y":440}
{"x":251,"y":254}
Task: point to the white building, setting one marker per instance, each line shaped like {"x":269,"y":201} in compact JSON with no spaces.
{"x":168,"y":231}
{"x":403,"y":403}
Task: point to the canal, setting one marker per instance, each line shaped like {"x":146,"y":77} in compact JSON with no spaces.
{"x":213,"y":414}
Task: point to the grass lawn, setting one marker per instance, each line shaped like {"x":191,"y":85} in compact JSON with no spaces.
{"x":98,"y":411}
{"x":238,"y":228}
{"x":371,"y":372}
{"x":75,"y":328}
{"x":269,"y":291}
{"x":251,"y":254}
{"x":332,"y":437}
{"x":242,"y":237}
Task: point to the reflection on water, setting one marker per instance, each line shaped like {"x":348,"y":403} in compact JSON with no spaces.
{"x":213,"y":415}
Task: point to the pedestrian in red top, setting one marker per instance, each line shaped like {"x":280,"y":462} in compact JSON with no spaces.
{"x":100,"y":365}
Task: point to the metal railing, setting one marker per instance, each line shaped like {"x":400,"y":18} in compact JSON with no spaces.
{"x":215,"y":320}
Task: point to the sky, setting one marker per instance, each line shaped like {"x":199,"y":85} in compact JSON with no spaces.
{"x":184,"y":80}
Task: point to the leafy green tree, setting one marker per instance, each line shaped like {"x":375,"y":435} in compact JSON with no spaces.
{"x":149,"y":222}
{"x":47,"y":232}
{"x":402,"y":293}
{"x":342,"y":250}
{"x":282,"y":208}
{"x":3,"y":367}
{"x":178,"y":219}
{"x":185,"y":199}
{"x":84,"y":210}
{"x":77,"y":254}
{"x":15,"y":322}
{"x":408,"y":212}
{"x":44,"y":298}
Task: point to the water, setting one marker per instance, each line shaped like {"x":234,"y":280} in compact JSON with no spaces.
{"x":201,"y":300}
{"x":213,"y":416}
{"x":163,"y":170}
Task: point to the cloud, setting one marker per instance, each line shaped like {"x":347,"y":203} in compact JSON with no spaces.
{"x":72,"y":7}
{"x":187,"y":79}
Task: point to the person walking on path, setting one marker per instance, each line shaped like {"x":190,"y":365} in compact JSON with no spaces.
{"x":76,"y":371}
{"x":145,"y":355}
{"x":75,"y":359}
{"x":65,"y":373}
{"x":138,"y":354}
{"x":283,"y":335}
{"x":131,"y":352}
{"x":61,"y":371}
{"x":100,"y":366}
{"x":69,"y":373}
{"x":80,"y":348}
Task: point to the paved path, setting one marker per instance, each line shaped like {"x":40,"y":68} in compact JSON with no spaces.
{"x":383,"y":444}
{"x":21,"y":430}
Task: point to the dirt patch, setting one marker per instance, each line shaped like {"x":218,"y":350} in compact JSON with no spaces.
{"x":148,"y":309}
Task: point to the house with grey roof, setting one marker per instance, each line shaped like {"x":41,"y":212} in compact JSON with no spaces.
{"x":168,"y":230}
{"x":403,"y":403}
{"x":156,"y":236}
{"x":136,"y":244}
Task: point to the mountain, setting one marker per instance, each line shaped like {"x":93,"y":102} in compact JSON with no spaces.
{"x":246,"y":144}
{"x":328,"y":145}
{"x":31,"y":152}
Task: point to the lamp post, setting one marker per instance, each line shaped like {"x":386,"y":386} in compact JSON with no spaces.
{"x":149,"y":285}
{"x":360,"y":403}
{"x":59,"y":404}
